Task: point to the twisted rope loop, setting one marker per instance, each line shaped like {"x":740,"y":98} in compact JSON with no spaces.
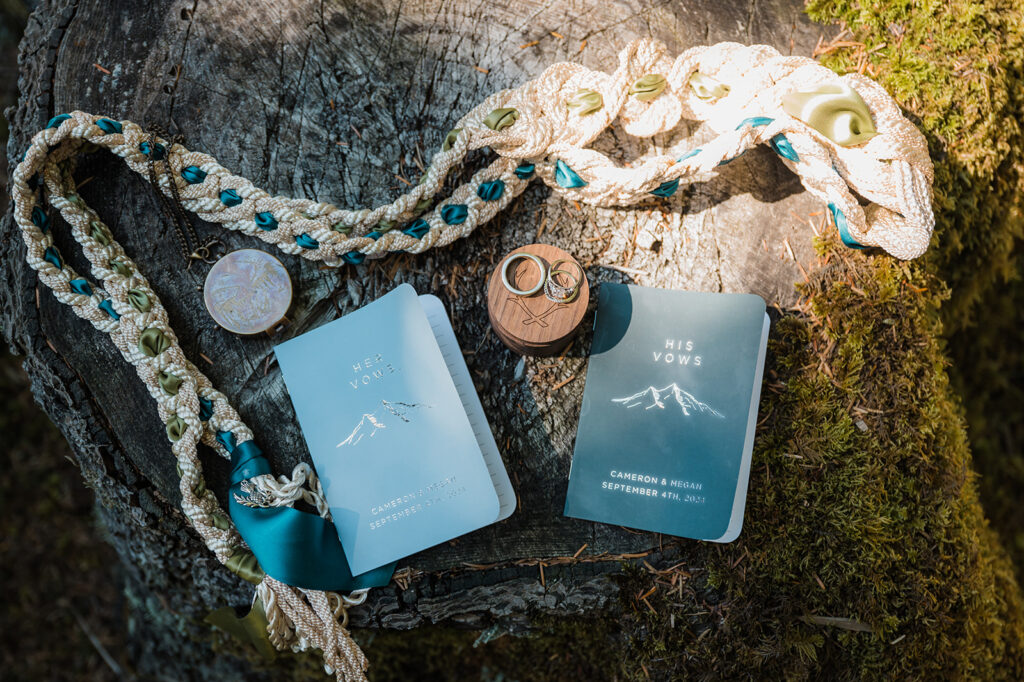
{"x":540,"y":129}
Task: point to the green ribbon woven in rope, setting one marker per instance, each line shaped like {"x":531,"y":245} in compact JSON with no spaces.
{"x":844,"y":229}
{"x":450,"y":138}
{"x":153,"y":342}
{"x":107,"y":306}
{"x":175,"y":428}
{"x":200,"y":488}
{"x":648,"y":87}
{"x":244,"y":564}
{"x":706,"y":87}
{"x":139,"y":300}
{"x":97,"y":232}
{"x":168,"y":382}
{"x":266,"y":221}
{"x":57,"y":120}
{"x":836,"y":111}
{"x":500,"y":119}
{"x":585,"y":102}
{"x":491,"y":190}
{"x":293,"y":546}
{"x":524,"y":170}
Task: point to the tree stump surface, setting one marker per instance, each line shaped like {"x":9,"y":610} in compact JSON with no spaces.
{"x":341,"y":102}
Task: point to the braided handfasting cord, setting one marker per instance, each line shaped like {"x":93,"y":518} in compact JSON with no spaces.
{"x":843,"y":146}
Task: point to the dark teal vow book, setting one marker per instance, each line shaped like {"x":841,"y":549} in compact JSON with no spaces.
{"x":666,"y":428}
{"x":395,"y":428}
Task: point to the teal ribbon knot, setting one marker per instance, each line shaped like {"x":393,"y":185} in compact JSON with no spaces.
{"x":296,"y":547}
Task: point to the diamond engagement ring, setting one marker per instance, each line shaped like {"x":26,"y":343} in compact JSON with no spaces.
{"x":560,"y":293}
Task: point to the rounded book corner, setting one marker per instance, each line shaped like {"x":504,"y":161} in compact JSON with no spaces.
{"x":763,"y":304}
{"x":730,"y":534}
{"x":428,"y":298}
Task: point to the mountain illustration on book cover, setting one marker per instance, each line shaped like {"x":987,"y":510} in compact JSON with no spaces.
{"x":669,"y":409}
{"x":652,"y":397}
{"x":372,"y":422}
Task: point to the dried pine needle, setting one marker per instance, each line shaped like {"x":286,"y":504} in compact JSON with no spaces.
{"x":560,"y":384}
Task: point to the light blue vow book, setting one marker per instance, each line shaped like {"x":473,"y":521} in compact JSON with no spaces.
{"x":395,"y":428}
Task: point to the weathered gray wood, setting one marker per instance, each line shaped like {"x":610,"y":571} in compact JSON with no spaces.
{"x":332,"y":100}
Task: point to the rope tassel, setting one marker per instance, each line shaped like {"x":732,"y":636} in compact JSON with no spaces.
{"x":303,"y":619}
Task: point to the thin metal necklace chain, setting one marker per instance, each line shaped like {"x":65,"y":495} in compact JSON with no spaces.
{"x":188,"y":240}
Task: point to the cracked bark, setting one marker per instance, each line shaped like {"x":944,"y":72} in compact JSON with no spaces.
{"x":314,"y":100}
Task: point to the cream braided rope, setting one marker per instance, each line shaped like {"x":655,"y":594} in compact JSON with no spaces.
{"x":892,"y":171}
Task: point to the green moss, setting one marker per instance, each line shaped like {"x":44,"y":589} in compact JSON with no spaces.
{"x":873,"y":493}
{"x":958,"y":68}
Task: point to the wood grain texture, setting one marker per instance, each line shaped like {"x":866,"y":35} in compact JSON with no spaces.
{"x":343,"y":101}
{"x":534,"y":325}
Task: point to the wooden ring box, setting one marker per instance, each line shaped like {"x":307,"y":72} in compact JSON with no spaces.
{"x":534,"y":325}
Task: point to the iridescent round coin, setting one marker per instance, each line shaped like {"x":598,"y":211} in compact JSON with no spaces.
{"x":247,"y":291}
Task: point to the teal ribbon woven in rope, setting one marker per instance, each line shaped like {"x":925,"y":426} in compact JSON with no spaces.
{"x":844,"y":229}
{"x":296,"y":547}
{"x":567,"y":177}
